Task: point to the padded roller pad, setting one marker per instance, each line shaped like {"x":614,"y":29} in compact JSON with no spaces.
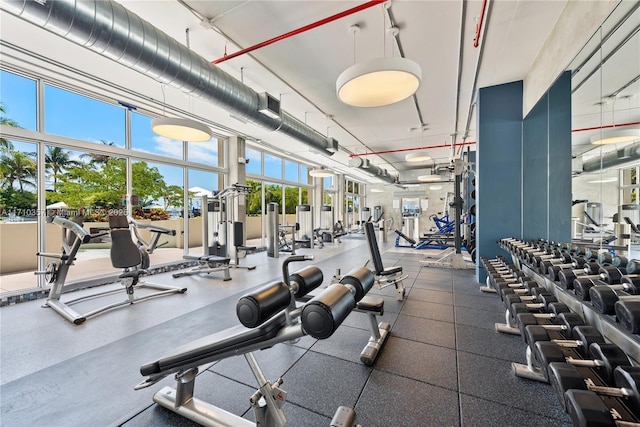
{"x":362,"y":280}
{"x":628,"y":313}
{"x":324,"y":313}
{"x":308,"y":279}
{"x":255,"y":308}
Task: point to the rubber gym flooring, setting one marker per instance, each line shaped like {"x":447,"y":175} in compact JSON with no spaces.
{"x":442,"y":365}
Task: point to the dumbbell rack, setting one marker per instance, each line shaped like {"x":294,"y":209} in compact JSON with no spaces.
{"x":607,"y":326}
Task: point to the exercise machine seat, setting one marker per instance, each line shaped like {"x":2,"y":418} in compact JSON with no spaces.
{"x":124,"y":252}
{"x":135,"y":274}
{"x":371,"y":304}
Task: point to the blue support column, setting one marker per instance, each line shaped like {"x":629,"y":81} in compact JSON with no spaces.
{"x":499,"y":168}
{"x":560,"y":159}
{"x":535,"y":180}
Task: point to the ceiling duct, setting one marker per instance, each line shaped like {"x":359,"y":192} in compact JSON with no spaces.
{"x":107,"y":28}
{"x":630,"y":153}
{"x":365,"y":166}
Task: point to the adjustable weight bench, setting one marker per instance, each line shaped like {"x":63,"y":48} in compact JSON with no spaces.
{"x":269,"y":317}
{"x":207,"y":264}
{"x":384,"y":276}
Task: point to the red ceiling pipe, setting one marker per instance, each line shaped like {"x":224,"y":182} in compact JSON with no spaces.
{"x":412,"y":149}
{"x":476,"y":39}
{"x":301,"y":29}
{"x":606,"y":126}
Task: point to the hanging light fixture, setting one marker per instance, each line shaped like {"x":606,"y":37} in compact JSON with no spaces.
{"x":181,"y":129}
{"x":618,"y":136}
{"x":429,"y":178}
{"x":380,"y":81}
{"x":416,"y":157}
{"x":320,"y":173}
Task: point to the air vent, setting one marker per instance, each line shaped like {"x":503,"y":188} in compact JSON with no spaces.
{"x":268,"y":105}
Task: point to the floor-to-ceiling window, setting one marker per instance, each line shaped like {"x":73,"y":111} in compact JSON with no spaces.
{"x":76,"y":155}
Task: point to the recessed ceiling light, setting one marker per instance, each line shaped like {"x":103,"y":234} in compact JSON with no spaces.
{"x":377,"y":190}
{"x":435,"y":187}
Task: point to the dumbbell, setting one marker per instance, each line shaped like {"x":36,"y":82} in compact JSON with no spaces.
{"x":562,"y":328}
{"x":542,"y":263}
{"x":604,"y":297}
{"x":551,"y":268}
{"x":591,"y":405}
{"x":567,"y":276}
{"x":628,"y":314}
{"x":545,"y":311}
{"x":598,"y":365}
{"x":607,"y":275}
{"x":620,"y":261}
{"x":598,"y":370}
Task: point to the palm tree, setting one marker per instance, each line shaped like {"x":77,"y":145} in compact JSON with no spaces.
{"x":6,"y":145}
{"x":57,"y":160}
{"x":20,"y":167}
{"x":97,"y":159}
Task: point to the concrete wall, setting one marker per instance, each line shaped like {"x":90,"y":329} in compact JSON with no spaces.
{"x":19,"y":244}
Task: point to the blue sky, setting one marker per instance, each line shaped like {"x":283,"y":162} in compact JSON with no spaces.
{"x":79,"y":117}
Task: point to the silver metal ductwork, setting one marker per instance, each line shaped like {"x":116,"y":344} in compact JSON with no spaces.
{"x":111,"y":30}
{"x":630,"y":153}
{"x":365,"y":166}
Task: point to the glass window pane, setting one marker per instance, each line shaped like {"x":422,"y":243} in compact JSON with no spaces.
{"x":356,"y":188}
{"x":76,"y":116}
{"x":144,"y":139}
{"x":328,"y":182}
{"x":202,"y":185}
{"x":18,"y":215}
{"x":253,"y":204}
{"x":272,"y":166}
{"x":304,"y":174}
{"x":304,"y":196}
{"x":255,"y":161}
{"x":291,"y":196}
{"x":204,"y":152}
{"x":18,"y":101}
{"x":291,"y":171}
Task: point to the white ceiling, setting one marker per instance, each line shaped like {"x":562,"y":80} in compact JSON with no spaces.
{"x":302,"y":70}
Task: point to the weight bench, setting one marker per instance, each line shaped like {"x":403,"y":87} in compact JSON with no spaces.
{"x":384,"y":276}
{"x":207,"y":264}
{"x":268,"y":316}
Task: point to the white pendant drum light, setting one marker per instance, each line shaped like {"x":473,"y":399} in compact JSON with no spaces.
{"x":181,"y":129}
{"x":616,"y":136}
{"x":429,"y":178}
{"x":603,"y":180}
{"x":320,"y":173}
{"x":378,"y":82}
{"x":416,"y":157}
